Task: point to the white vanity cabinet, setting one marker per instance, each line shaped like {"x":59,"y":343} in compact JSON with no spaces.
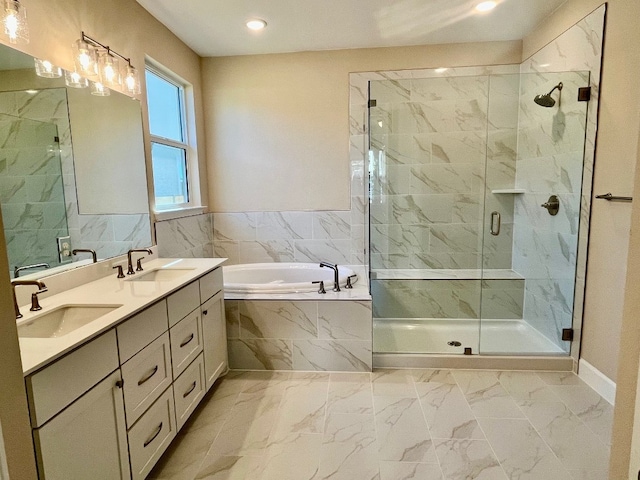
{"x":110,"y":408}
{"x":77,"y":411}
{"x":214,"y":326}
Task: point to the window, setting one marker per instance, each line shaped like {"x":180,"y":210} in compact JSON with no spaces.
{"x":169,"y":140}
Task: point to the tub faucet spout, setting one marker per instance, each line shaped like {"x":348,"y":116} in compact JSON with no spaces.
{"x":336,"y":282}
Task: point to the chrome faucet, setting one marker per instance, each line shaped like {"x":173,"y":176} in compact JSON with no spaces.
{"x":17,"y":270}
{"x":35,"y":306}
{"x":336,"y":282}
{"x":130,"y":270}
{"x":86,"y":250}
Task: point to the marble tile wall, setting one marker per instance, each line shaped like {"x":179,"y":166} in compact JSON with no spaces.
{"x":186,"y":237}
{"x":254,"y":237}
{"x":471,"y":299}
{"x":552,"y":159}
{"x":299,"y":335}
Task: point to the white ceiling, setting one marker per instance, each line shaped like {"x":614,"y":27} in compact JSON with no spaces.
{"x":217,"y":27}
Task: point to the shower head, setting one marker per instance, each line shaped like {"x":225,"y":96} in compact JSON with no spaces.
{"x":546,"y":100}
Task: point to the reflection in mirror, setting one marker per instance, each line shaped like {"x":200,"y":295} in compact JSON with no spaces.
{"x":72,"y":170}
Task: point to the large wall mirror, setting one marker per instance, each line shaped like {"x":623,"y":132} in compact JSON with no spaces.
{"x":72,"y":170}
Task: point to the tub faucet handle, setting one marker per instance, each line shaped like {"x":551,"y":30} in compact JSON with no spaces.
{"x":321,"y":289}
{"x":349,"y":284}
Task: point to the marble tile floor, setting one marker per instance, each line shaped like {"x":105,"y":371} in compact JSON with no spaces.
{"x":394,"y":425}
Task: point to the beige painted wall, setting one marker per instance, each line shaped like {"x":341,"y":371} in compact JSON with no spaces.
{"x":54,"y":25}
{"x":611,"y":332}
{"x":280,"y":123}
{"x":14,"y":414}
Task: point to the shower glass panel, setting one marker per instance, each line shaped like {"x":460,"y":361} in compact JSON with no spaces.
{"x":463,"y":257}
{"x":535,"y":150}
{"x":427,"y":165}
{"x":31,"y":192}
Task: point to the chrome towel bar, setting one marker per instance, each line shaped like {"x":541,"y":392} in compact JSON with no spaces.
{"x":613,"y":198}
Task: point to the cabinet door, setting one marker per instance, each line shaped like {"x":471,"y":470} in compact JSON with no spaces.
{"x":214,"y":332}
{"x":88,"y":439}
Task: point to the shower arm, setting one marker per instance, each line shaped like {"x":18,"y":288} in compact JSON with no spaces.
{"x":557,"y":87}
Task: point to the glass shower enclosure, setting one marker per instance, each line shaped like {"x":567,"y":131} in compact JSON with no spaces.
{"x":474,"y":199}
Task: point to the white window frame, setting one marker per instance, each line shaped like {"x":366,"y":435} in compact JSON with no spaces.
{"x":194,"y":205}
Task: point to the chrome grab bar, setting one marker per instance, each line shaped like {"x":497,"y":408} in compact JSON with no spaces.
{"x":495,"y":223}
{"x":614,"y":198}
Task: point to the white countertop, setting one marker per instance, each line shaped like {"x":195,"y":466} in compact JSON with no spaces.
{"x":133,"y":296}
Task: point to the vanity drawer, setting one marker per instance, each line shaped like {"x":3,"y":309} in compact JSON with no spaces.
{"x":186,"y":342}
{"x":59,"y":384}
{"x":145,"y":377}
{"x":183,"y":302}
{"x":188,"y":390}
{"x":151,"y":435}
{"x":142,"y":329}
{"x":210,"y":284}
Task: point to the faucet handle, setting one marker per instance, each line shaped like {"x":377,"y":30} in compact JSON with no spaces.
{"x":349,"y":284}
{"x":321,"y":289}
{"x":120,"y":272}
{"x":139,"y":265}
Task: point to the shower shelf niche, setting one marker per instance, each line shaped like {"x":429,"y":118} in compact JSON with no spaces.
{"x":514,"y":191}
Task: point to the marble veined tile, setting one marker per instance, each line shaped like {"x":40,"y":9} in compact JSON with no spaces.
{"x":334,"y":225}
{"x":410,"y":471}
{"x":445,"y":408}
{"x":297,"y":459}
{"x":345,"y":320}
{"x":182,"y":459}
{"x":283,"y":320}
{"x":218,"y":467}
{"x":465,"y":459}
{"x":302,"y":409}
{"x":525,"y":386}
{"x":284,"y":225}
{"x":569,"y":438}
{"x":334,"y":251}
{"x":234,"y":226}
{"x":340,"y":355}
{"x":349,"y":448}
{"x":132,"y":228}
{"x":248,"y":426}
{"x":521,"y":451}
{"x":260,"y":354}
{"x":403,"y":435}
{"x":350,"y":393}
{"x":393,"y":383}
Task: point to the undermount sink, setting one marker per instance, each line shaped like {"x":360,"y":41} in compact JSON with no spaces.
{"x":63,"y":320}
{"x":160,"y":275}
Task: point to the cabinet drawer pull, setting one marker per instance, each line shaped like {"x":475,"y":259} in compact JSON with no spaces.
{"x":191,"y":389}
{"x":186,"y":341}
{"x":120,"y":383}
{"x":148,"y":376}
{"x":153,"y":437}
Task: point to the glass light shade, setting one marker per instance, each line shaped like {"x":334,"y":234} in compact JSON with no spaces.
{"x":75,"y":80}
{"x":44,"y":68}
{"x":109,"y":70}
{"x":99,"y":90}
{"x":14,"y":21}
{"x":85,"y":57}
{"x":132,"y":81}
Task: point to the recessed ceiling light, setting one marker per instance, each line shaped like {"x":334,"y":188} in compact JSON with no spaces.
{"x":256,"y":24}
{"x":486,"y":6}
{"x":441,"y":70}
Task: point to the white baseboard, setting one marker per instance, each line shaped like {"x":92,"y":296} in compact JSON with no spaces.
{"x":597,"y":380}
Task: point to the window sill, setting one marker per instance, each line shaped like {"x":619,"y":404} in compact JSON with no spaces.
{"x":162,"y":215}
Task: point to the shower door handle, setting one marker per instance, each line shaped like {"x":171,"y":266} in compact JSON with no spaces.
{"x":495,"y":223}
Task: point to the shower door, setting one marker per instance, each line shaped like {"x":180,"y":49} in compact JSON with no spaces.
{"x":535,"y":157}
{"x":427,"y":165}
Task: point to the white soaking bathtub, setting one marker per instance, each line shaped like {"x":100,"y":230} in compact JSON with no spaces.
{"x":259,"y":278}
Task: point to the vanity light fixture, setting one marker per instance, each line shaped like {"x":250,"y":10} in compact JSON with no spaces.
{"x":44,"y":68}
{"x":113,"y":69}
{"x":75,"y":80}
{"x":256,"y":24}
{"x":14,"y":20}
{"x":486,"y":6}
{"x":99,"y":90}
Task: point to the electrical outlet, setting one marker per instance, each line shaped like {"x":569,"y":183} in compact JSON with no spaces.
{"x":64,"y":249}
